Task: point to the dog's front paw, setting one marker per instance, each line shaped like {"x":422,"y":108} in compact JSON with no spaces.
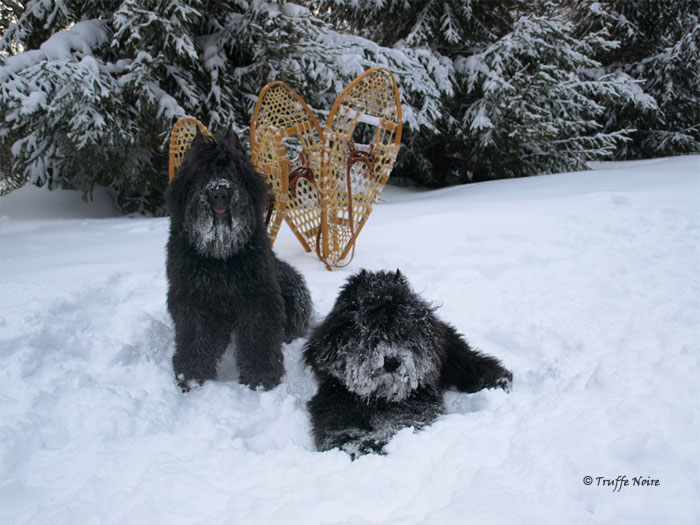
{"x":363,"y":446}
{"x":504,"y":380}
{"x":191,"y":373}
{"x":265,"y":373}
{"x":506,"y":383}
{"x":187,"y":384}
{"x":256,"y":381}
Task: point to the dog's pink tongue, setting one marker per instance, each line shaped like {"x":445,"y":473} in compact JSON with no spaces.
{"x":219,"y":210}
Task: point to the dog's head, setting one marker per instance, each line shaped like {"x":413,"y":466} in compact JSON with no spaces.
{"x":379,"y":339}
{"x":216,"y":199}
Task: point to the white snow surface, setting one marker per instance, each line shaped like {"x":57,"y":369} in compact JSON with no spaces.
{"x":586,"y":285}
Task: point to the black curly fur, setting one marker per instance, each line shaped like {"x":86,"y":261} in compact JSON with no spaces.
{"x":226,"y":288}
{"x":382,"y":359}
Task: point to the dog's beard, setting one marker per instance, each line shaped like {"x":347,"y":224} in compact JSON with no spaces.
{"x":364,"y":373}
{"x":213,"y":235}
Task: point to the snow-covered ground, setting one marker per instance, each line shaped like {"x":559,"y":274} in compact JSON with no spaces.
{"x":586,"y":285}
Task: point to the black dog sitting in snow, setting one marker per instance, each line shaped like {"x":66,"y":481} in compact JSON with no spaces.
{"x":227,"y":290}
{"x":382,"y":359}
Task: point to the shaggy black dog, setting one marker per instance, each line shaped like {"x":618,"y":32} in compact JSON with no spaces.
{"x":226,"y":288}
{"x":382,"y":358}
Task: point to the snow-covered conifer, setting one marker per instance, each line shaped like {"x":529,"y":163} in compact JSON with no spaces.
{"x":90,"y":90}
{"x":536,"y":101}
{"x":658,"y":44}
{"x":519,"y":93}
{"x":434,"y":33}
{"x":673,"y":78}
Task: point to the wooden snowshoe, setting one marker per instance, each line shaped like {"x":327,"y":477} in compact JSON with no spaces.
{"x":327,"y":182}
{"x":286,"y":145}
{"x":362,"y":139}
{"x":182,"y":135}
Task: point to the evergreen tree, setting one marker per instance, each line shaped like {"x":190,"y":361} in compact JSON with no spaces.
{"x":673,"y":78}
{"x":658,"y":44}
{"x":318,"y":61}
{"x":520,"y":94}
{"x":536,"y":101}
{"x":436,"y":33}
{"x":94,"y":92}
{"x":90,"y":90}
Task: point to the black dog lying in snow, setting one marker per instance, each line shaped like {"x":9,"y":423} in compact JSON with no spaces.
{"x":382,"y":358}
{"x":226,"y":288}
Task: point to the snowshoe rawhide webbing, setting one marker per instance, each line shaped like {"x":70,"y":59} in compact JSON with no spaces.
{"x":326,"y":182}
{"x":286,"y":146}
{"x":182,"y":135}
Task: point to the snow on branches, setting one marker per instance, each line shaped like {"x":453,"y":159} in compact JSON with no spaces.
{"x":90,"y":90}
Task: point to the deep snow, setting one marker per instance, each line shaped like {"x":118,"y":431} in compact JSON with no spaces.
{"x":586,"y":285}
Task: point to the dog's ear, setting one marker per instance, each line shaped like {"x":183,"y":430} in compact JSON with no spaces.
{"x":400,"y":278}
{"x":233,"y":138}
{"x":199,"y":137}
{"x":362,"y":275}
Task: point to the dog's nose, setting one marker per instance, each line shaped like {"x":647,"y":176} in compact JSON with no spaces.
{"x":218,"y":199}
{"x":391,"y":364}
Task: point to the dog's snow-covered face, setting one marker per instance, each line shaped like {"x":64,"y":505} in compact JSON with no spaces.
{"x":218,"y":219}
{"x":216,"y":197}
{"x":385,"y":339}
